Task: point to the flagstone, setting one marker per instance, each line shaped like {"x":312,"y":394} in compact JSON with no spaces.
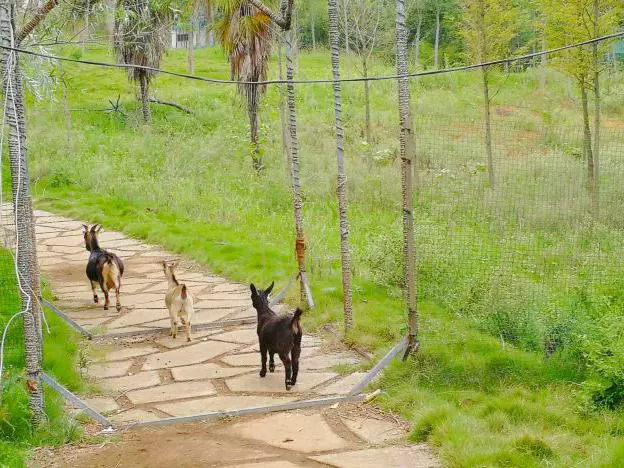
{"x":174,"y":391}
{"x":344,"y":385}
{"x":274,"y":382}
{"x":132,"y":382}
{"x":391,"y":457}
{"x":133,"y":416}
{"x":219,"y":403}
{"x":188,"y":355}
{"x":285,"y":432}
{"x":101,"y":404}
{"x":205,"y":371}
{"x":374,"y":431}
{"x":110,"y":369}
{"x":241,"y":335}
{"x":129,"y":352}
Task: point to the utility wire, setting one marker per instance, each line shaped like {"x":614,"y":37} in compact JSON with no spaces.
{"x":322,"y":81}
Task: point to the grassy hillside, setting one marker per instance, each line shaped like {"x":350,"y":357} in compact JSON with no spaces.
{"x":60,"y":351}
{"x":504,"y":274}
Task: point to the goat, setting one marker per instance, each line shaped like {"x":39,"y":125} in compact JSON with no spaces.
{"x":103,"y":268}
{"x":179,"y":301}
{"x":279,"y":334}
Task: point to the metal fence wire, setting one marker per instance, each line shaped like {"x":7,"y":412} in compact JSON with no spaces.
{"x":11,"y":333}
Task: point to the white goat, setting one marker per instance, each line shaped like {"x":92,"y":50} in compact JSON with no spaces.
{"x":179,"y":301}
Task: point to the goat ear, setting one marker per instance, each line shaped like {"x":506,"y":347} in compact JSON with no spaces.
{"x":254,"y":291}
{"x":97,"y":228}
{"x":269,"y":289}
{"x":85,"y":228}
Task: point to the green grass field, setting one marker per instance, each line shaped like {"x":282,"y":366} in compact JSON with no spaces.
{"x":503,"y":274}
{"x":60,"y":351}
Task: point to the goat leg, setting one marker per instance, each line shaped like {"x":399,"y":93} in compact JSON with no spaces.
{"x":118,"y":299}
{"x":106,"y":300}
{"x":263,"y":354}
{"x":271,"y":362}
{"x":288,"y":368}
{"x":95,"y":296}
{"x":295,"y":353}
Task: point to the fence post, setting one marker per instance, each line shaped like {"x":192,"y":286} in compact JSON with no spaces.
{"x":26,"y":259}
{"x":407,"y":148}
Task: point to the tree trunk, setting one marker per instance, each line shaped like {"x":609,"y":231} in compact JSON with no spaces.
{"x":346,"y":24}
{"x":367,"y":99}
{"x":294,"y":164}
{"x":252,"y":111}
{"x":210,"y":22}
{"x":543,"y":71}
{"x":587,"y":138}
{"x":488,"y":126}
{"x":26,"y":254}
{"x":313,"y":31}
{"x":65,"y":101}
{"x":407,"y":160}
{"x":85,"y":32}
{"x":110,"y":18}
{"x":596,"y":64}
{"x":190,"y":47}
{"x":417,"y":38}
{"x":144,"y":83}
{"x":436,"y":47}
{"x":345,"y":254}
{"x":283,"y":117}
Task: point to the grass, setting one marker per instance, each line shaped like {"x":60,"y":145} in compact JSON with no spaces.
{"x":60,"y":354}
{"x":503,"y":273}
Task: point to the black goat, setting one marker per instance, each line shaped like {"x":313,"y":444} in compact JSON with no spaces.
{"x":277,"y":334}
{"x":104,"y":268}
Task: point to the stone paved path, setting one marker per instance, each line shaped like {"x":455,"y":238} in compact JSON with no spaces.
{"x":146,"y":375}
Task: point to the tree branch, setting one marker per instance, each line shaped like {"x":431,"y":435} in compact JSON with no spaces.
{"x":172,"y":104}
{"x":282,"y":19}
{"x":36,"y":20}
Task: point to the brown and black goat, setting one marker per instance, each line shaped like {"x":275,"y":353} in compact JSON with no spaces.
{"x":104,"y":268}
{"x":277,"y":334}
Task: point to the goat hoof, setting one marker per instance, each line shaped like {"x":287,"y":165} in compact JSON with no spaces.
{"x":188,"y":339}
{"x":263,"y":373}
{"x":271,"y":369}
{"x":95,"y":299}
{"x":118,"y":306}
{"x":288,"y":387}
{"x":105,"y":307}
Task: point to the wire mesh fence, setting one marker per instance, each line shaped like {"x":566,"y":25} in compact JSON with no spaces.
{"x":11,"y":325}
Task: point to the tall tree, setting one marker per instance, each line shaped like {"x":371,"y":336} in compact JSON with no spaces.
{"x":334,"y":38}
{"x":581,"y":20}
{"x":365,"y":18}
{"x":407,"y":147}
{"x":283,"y":19}
{"x":26,"y":257}
{"x":142,"y":29}
{"x":245,"y":34}
{"x":490,"y":27}
{"x":418,"y":8}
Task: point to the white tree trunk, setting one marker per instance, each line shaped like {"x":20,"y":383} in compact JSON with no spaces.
{"x":436,"y":47}
{"x":345,"y":254}
{"x":407,"y":160}
{"x":20,"y":185}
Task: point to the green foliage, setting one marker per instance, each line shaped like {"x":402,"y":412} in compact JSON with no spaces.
{"x":60,"y":351}
{"x":493,"y":296}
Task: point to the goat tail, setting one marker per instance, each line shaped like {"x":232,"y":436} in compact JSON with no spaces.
{"x":297,"y":314}
{"x":111,"y":274}
{"x":184,"y":292}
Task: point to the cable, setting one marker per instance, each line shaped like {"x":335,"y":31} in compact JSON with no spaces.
{"x":322,"y":81}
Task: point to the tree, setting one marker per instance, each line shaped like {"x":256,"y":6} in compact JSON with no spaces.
{"x":418,"y":8}
{"x":407,"y":147}
{"x":342,"y":178}
{"x":26,"y":261}
{"x":245,"y":34}
{"x":141,"y":35}
{"x":365,"y":18}
{"x":490,"y":26}
{"x":579,"y":21}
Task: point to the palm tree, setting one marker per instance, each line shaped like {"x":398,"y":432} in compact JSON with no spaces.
{"x":407,"y":159}
{"x":245,"y":34}
{"x":140,"y":39}
{"x":334,"y":37}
